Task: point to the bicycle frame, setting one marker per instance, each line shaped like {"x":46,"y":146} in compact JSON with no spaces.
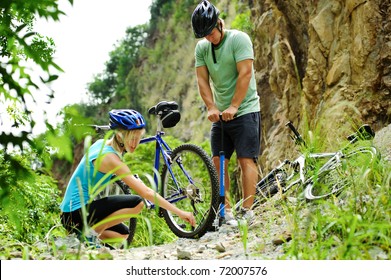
{"x":301,"y":163}
{"x":162,"y":148}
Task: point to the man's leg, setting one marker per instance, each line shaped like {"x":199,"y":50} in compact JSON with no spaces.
{"x":249,"y":180}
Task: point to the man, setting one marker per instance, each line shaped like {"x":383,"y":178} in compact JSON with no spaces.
{"x":226,"y":83}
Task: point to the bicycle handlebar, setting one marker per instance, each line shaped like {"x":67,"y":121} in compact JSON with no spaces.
{"x":99,"y":128}
{"x":298,"y":139}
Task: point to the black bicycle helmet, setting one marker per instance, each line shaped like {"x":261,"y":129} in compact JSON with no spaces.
{"x":126,"y":119}
{"x":204,"y":19}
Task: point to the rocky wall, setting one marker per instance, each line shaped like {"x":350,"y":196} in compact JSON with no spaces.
{"x":323,"y":64}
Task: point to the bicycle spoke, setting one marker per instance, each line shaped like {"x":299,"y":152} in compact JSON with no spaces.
{"x":334,"y":177}
{"x":193,"y":176}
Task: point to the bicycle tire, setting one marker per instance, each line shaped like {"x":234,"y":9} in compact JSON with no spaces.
{"x":280,"y":180}
{"x":331,"y":180}
{"x":201,"y":198}
{"x":269,"y":186}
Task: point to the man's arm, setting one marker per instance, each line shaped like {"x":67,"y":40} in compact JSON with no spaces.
{"x":206,"y":93}
{"x":245,"y":71}
{"x":244,"y":68}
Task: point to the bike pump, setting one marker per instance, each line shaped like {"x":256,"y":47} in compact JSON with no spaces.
{"x":220,"y":215}
{"x":222,"y":176}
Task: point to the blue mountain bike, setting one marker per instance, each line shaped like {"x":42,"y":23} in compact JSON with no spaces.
{"x":188,"y":178}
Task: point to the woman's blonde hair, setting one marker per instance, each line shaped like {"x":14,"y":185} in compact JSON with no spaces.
{"x":125,"y":134}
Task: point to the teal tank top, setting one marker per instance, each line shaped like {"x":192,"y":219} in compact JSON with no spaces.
{"x":86,"y":178}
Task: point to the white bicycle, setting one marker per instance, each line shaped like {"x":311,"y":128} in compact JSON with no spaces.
{"x":320,"y":174}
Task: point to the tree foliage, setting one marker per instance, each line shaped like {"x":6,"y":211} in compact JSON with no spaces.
{"x":20,"y":46}
{"x":26,"y":65}
{"x":113,"y":85}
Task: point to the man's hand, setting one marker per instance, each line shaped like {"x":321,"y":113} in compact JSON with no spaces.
{"x":229,"y":113}
{"x":213,"y":115}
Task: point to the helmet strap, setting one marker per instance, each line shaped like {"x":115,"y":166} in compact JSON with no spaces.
{"x":119,"y":134}
{"x":219,"y":27}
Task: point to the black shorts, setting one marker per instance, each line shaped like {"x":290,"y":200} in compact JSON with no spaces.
{"x":242,"y":134}
{"x":98,"y":210}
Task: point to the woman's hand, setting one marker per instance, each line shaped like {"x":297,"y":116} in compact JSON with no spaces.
{"x":188,"y":217}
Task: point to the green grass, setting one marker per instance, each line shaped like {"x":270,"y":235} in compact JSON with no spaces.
{"x":353,"y":225}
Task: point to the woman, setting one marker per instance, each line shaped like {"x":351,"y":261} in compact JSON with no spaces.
{"x":105,"y":215}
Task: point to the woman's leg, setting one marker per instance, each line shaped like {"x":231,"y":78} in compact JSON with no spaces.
{"x":107,"y":214}
{"x":112,"y":235}
{"x":115,"y":218}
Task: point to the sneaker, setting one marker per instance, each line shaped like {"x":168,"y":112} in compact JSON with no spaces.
{"x":230,"y":219}
{"x":247,"y":215}
{"x":91,"y":240}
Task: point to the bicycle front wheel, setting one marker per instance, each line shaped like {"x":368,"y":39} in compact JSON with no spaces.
{"x":339,"y":173}
{"x":192,"y":184}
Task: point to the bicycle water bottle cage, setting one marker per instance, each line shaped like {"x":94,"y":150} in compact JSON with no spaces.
{"x":167,"y":110}
{"x":365,"y":132}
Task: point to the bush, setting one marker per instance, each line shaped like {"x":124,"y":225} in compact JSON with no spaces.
{"x":29,"y":203}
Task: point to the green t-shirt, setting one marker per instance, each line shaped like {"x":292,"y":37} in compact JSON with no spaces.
{"x":235,"y":47}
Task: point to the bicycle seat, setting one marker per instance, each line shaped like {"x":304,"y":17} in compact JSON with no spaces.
{"x":365,"y":132}
{"x":162,"y":107}
{"x":167,"y":110}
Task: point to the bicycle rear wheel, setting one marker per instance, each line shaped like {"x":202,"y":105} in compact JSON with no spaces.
{"x":332,"y":179}
{"x":194,"y":187}
{"x":270,"y":185}
{"x":284,"y":178}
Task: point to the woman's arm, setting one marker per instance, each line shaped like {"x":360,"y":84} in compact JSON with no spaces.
{"x":113,"y":162}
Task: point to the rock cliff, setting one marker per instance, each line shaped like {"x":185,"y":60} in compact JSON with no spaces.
{"x":323,"y":64}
